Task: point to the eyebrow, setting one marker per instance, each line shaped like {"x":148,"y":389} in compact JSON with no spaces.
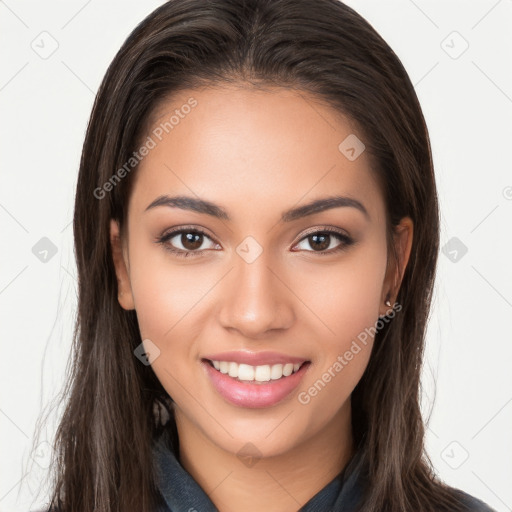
{"x":209,"y":208}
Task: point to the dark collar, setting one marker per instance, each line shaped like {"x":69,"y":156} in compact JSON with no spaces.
{"x":182,"y":493}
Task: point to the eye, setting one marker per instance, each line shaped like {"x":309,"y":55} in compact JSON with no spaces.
{"x":324,"y":241}
{"x":186,"y":241}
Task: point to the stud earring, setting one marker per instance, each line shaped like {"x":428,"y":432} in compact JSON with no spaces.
{"x":387,"y":302}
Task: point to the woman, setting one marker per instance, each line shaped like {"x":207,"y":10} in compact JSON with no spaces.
{"x":256,"y":233}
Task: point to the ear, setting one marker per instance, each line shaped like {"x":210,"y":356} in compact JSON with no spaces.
{"x":402,"y":239}
{"x":125,"y":296}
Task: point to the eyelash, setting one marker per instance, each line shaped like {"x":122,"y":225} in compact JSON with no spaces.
{"x":345,"y":239}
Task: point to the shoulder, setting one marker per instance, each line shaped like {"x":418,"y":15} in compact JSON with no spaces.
{"x":474,"y":504}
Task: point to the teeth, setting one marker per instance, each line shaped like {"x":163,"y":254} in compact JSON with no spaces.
{"x":287,"y":369}
{"x":233,"y":370}
{"x":276,"y":371}
{"x":245,"y":372}
{"x":262,"y":373}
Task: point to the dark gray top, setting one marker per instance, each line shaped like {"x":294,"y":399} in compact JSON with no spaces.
{"x":181,"y":493}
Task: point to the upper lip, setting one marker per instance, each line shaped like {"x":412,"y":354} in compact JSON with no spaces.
{"x":255,"y":358}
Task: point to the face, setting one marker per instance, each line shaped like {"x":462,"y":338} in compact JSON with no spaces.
{"x":256,"y":274}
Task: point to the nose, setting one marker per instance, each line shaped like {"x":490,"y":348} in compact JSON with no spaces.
{"x":255,"y":300}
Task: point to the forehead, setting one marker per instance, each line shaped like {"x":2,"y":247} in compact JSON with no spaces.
{"x":250,"y":149}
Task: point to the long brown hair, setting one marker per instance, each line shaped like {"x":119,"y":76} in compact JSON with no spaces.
{"x":102,"y":458}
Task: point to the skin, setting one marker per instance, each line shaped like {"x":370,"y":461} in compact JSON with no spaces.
{"x":256,"y":154}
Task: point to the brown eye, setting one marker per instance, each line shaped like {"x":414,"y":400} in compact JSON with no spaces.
{"x":191,"y":241}
{"x":319,"y":241}
{"x":186,"y":242}
{"x":323,"y":242}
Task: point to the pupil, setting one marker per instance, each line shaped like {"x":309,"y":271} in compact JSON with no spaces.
{"x":187,"y":239}
{"x":324,"y":244}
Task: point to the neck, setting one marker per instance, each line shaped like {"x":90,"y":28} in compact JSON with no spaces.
{"x":283,"y":482}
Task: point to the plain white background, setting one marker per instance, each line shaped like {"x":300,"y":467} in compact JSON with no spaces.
{"x":458,"y":55}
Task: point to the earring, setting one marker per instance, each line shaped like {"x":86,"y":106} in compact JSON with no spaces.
{"x":387,"y":302}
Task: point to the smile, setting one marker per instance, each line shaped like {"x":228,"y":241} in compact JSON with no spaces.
{"x":254,"y":386}
{"x":263,"y":373}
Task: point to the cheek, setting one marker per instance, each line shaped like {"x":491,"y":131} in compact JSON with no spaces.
{"x":166,"y":300}
{"x":345,"y":297}
{"x":165,"y":293}
{"x":173,"y":303}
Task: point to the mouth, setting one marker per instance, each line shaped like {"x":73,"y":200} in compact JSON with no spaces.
{"x":252,"y":387}
{"x":256,"y":374}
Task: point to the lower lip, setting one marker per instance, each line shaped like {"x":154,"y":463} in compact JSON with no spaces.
{"x":254,"y":394}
